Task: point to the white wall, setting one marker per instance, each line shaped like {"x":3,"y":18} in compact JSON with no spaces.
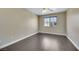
{"x":73,"y":25}
{"x":16,"y":24}
{"x":60,"y":28}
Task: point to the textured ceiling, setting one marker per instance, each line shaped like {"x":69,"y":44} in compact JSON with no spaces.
{"x":38,"y":11}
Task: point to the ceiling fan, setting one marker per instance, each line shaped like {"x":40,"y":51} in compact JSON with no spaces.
{"x":45,"y":10}
{"x":48,"y":9}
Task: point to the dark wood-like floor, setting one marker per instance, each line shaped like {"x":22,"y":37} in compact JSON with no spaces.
{"x":42,"y":42}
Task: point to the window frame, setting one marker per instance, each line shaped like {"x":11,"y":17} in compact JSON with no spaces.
{"x":50,"y":21}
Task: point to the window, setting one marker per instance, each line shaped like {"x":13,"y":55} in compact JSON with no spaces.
{"x":46,"y":21}
{"x":50,"y":21}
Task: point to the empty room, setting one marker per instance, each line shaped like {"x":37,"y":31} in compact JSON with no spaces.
{"x":39,"y":29}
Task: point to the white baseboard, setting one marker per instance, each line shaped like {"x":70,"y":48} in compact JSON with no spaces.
{"x":73,"y":42}
{"x":66,"y":36}
{"x":8,"y":44}
{"x":54,"y":33}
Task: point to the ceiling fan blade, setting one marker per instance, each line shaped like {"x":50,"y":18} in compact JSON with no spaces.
{"x":50,"y":9}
